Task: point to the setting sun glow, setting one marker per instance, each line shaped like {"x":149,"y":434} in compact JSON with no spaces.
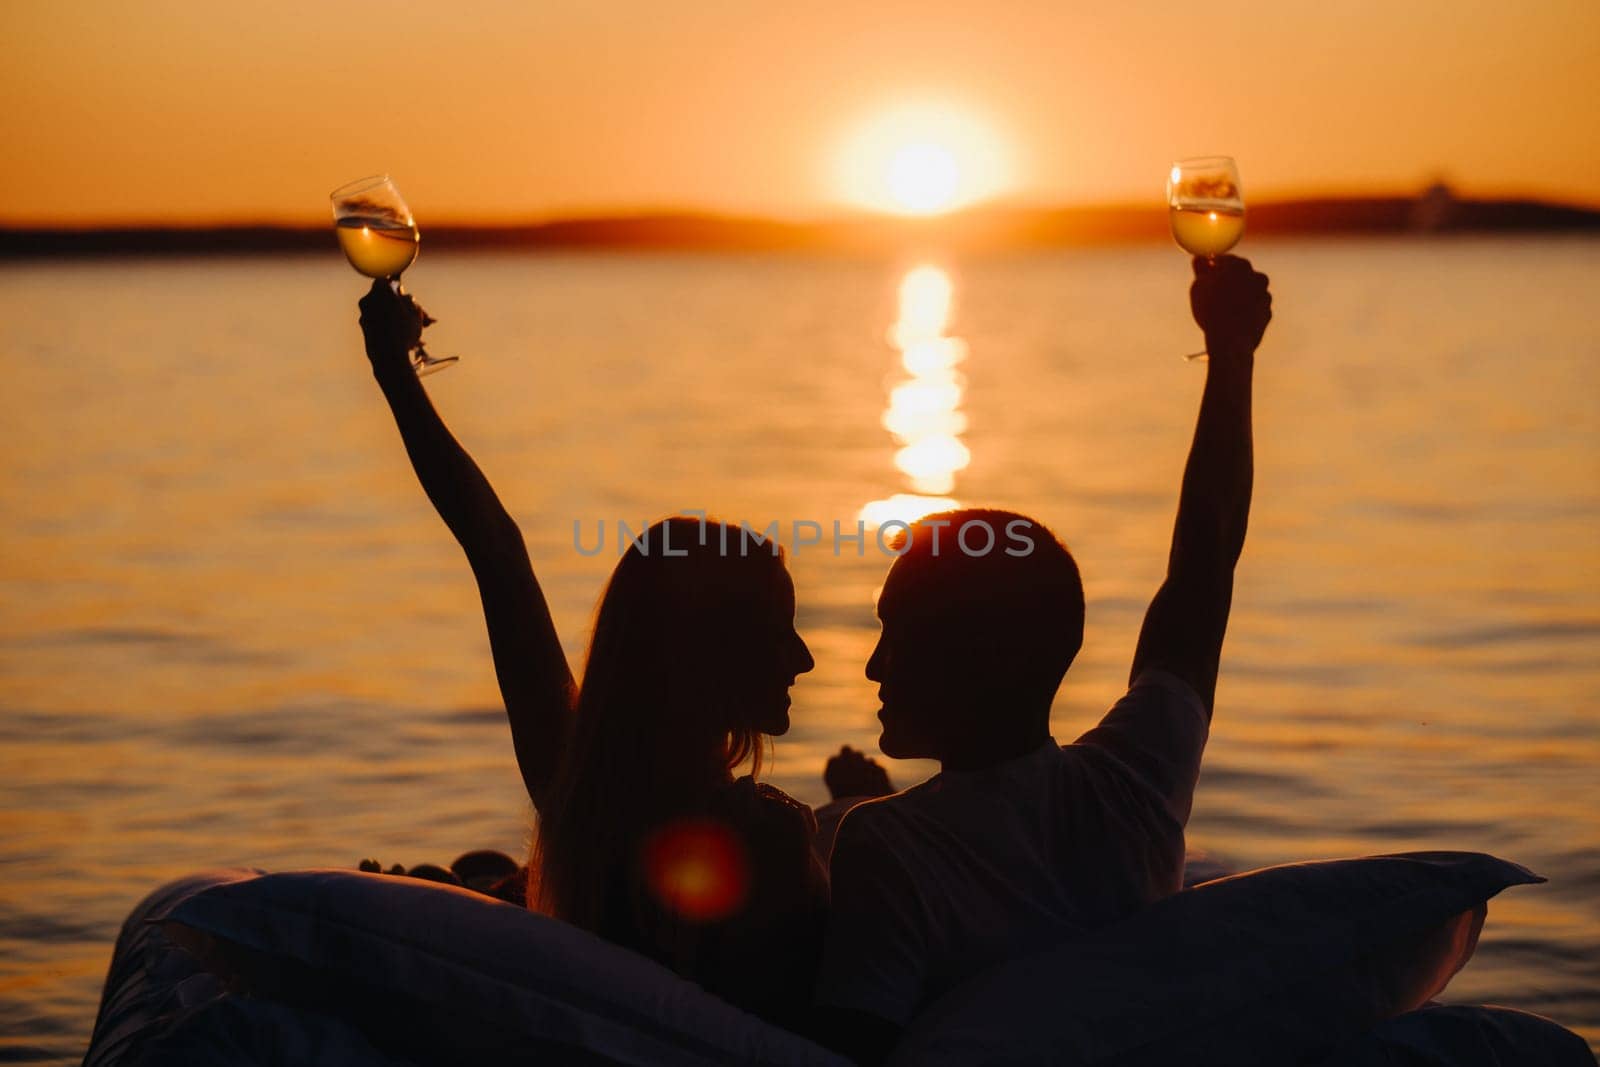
{"x":923,"y":178}
{"x":922,"y":160}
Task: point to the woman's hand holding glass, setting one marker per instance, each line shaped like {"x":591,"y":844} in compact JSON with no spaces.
{"x":379,"y":238}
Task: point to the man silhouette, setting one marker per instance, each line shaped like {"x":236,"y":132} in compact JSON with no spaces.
{"x":1019,"y":842}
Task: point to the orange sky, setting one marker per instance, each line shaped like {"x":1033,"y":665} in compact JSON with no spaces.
{"x":164,"y":110}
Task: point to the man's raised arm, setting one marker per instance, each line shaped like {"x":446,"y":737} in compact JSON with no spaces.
{"x":1184,"y":627}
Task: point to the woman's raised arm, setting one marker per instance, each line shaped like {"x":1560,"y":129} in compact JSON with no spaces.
{"x":535,"y":680}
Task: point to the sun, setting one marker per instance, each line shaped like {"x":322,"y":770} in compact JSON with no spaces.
{"x":921,"y":159}
{"x":923,"y":179}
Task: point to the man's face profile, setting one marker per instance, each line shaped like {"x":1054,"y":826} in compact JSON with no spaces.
{"x":918,"y":668}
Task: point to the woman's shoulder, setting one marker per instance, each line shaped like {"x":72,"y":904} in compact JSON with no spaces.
{"x":779,"y":833}
{"x":765,"y":806}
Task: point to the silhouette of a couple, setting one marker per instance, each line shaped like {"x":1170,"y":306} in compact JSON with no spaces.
{"x":646,"y":837}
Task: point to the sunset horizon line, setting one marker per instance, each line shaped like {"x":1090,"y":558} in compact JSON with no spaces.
{"x":833,"y":215}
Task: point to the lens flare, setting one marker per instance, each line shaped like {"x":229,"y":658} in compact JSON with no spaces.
{"x":697,"y":869}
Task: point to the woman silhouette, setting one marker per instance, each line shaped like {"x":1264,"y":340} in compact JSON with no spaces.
{"x":644,"y":835}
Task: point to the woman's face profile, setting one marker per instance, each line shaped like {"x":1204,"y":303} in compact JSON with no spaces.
{"x":765,"y":656}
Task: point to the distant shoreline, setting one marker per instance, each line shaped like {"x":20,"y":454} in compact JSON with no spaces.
{"x":1436,"y":211}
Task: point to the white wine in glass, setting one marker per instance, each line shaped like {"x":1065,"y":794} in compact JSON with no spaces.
{"x":377,"y":247}
{"x":380,"y":238}
{"x":1206,"y":207}
{"x":1207,"y":232}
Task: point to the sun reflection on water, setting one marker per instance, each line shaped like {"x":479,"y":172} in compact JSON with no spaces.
{"x":924,"y":413}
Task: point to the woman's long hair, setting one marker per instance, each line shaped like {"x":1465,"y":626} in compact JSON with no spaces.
{"x":659,"y":722}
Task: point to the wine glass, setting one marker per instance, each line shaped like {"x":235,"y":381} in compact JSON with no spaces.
{"x":1206,"y":208}
{"x":379,"y":238}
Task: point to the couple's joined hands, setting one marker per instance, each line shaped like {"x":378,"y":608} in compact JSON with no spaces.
{"x":853,"y":773}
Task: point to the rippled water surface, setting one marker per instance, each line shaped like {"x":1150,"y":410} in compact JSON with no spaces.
{"x":233,"y":632}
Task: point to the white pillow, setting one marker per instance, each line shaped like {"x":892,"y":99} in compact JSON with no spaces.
{"x":1278,"y":966}
{"x":440,"y":974}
